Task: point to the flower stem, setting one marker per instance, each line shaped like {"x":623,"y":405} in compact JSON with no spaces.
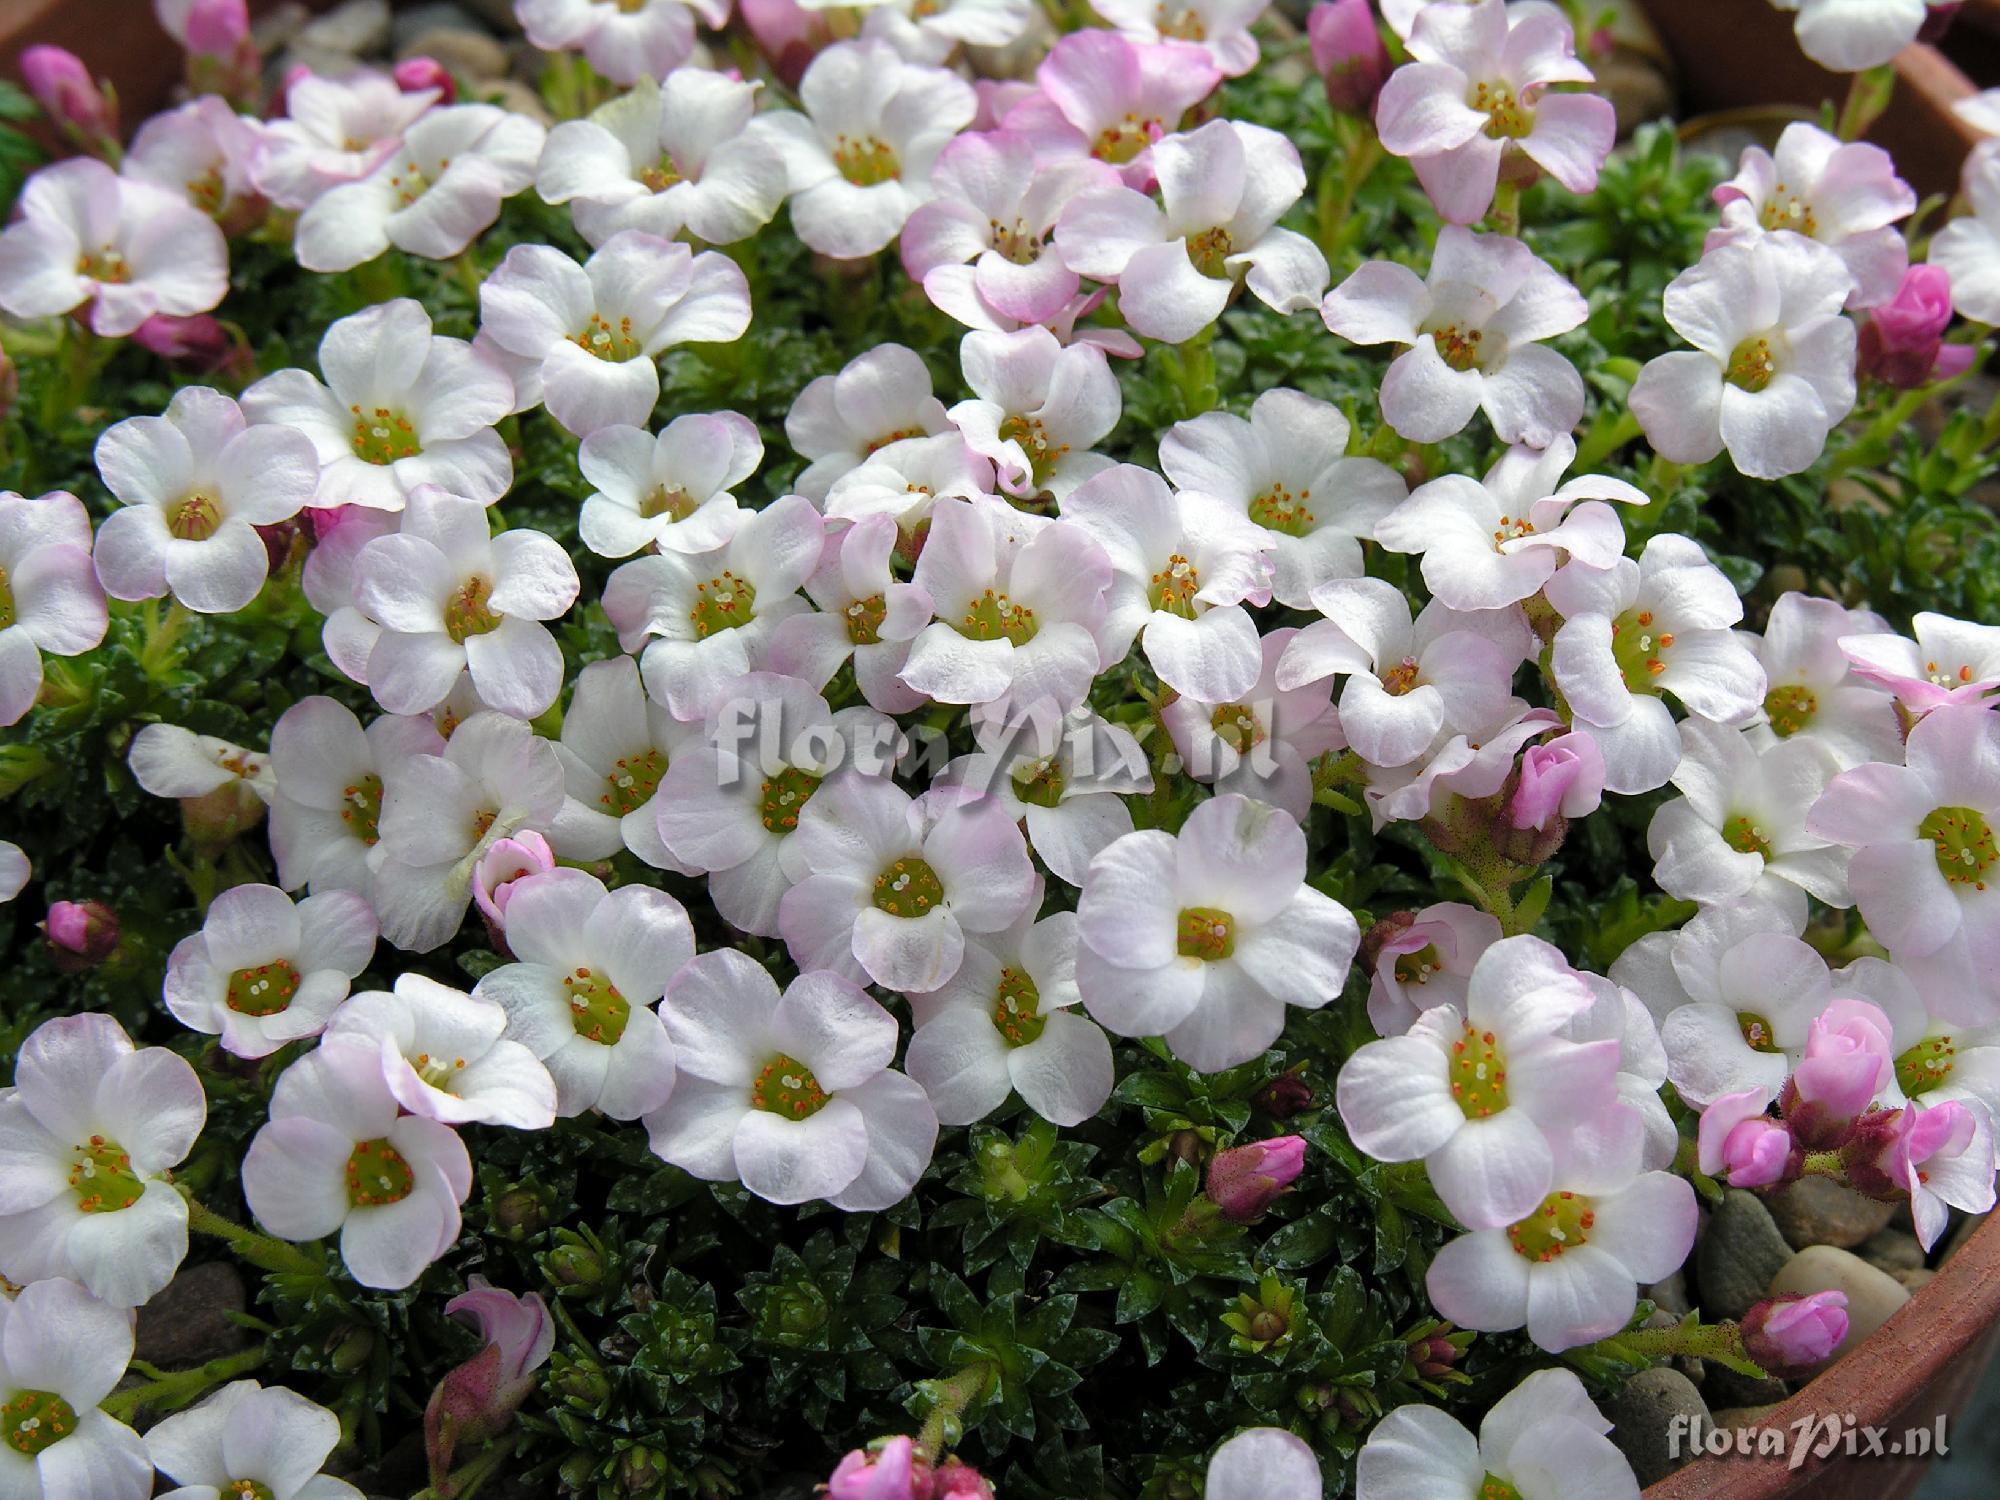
{"x":1722,"y":1342}
{"x":464,"y":1482}
{"x":259,"y":1249}
{"x":1867,"y":96}
{"x":176,"y":1390}
{"x":949,"y":1398}
{"x":1506,"y":210}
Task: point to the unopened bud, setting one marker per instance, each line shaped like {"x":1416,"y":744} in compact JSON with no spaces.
{"x":62,"y":85}
{"x":1244,"y":1181}
{"x":81,"y":934}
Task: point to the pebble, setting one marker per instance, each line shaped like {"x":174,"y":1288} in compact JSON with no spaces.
{"x":1637,"y":86}
{"x":1873,"y":1295}
{"x":1915,"y":1278}
{"x":187,"y":1322}
{"x":1733,"y":1418}
{"x":1737,"y":1255}
{"x":468,"y":55}
{"x":1820,"y":1211}
{"x":1892,"y":1250}
{"x":1642,"y":1415}
{"x":356,"y":27}
{"x":1724,"y":1387}
{"x":517,"y":97}
{"x":413,"y":21}
{"x":1670,"y":1295}
{"x":276,"y":27}
{"x":499,"y":14}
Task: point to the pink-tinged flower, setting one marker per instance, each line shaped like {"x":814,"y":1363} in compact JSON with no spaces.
{"x":1563,"y":777}
{"x":400,"y":407}
{"x":1902,"y":342}
{"x":1736,"y":1139}
{"x":729,"y":803}
{"x":202,"y":152}
{"x":1543,"y":1438}
{"x":50,"y":599}
{"x":890,"y":1469}
{"x":1815,"y":693}
{"x":248,"y":1439}
{"x":1221,"y":28}
{"x":886,"y":888}
{"x":477,"y":1399}
{"x":1206,"y":937}
{"x":953,"y":291}
{"x":1949,"y":662}
{"x":67,"y":93}
{"x":905,"y":480}
{"x":592,"y":967}
{"x":1008,"y":1023}
{"x":209,"y":28}
{"x":61,"y":1353}
{"x":934,"y":31}
{"x":1479,"y":1095}
{"x":791,"y":1095}
{"x":1020,"y":605}
{"x":222,"y":788}
{"x":584,"y":338}
{"x":1493,"y":542}
{"x":688,"y":153}
{"x":432,"y":196}
{"x":262,"y":972}
{"x":839,"y":421}
{"x":1263,"y":743}
{"x":1569,"y":1269}
{"x":84,"y":235}
{"x":1846,"y":195}
{"x":326,"y":808}
{"x":1924,"y":855}
{"x":616,"y":746}
{"x":1348,"y":53}
{"x":1223,"y":188}
{"x":1287,"y":469}
{"x":1790,"y":1335}
{"x":706,"y":618}
{"x":15,"y":871}
{"x":625,"y":40}
{"x":445,"y":1057}
{"x":1103,"y":96}
{"x":1968,"y":248}
{"x":1183,"y":568}
{"x":670,"y":491}
{"x":1850,"y":1048}
{"x":1038,"y":405}
{"x":860,"y":156}
{"x":1637,"y":630}
{"x":335,"y":130}
{"x":195,"y":484}
{"x":1772,"y":368}
{"x":864,"y":614}
{"x":425,"y":75}
{"x":1424,"y":961}
{"x":1844,"y":37}
{"x":80,"y":934}
{"x":1474,"y":329}
{"x":1406,"y":680}
{"x":451,"y":598}
{"x":1943,"y":1158}
{"x":1246,"y":1180}
{"x":93,"y":1128}
{"x":1479,"y":89}
{"x":996,"y":205}
{"x":503,"y":867}
{"x":338,"y":1154}
{"x":200,"y":343}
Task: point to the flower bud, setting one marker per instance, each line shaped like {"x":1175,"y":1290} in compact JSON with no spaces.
{"x":1564,"y":777}
{"x":476,"y":1400}
{"x":415,"y":74}
{"x":1381,"y":934}
{"x":215,"y":28}
{"x":1245,"y":1180}
{"x":1789,"y":1335}
{"x":959,"y":1481}
{"x":1434,"y":1356}
{"x":1284,"y":1096}
{"x":1736,"y":1138}
{"x":62,"y":85}
{"x":200,"y":343}
{"x":217,"y":819}
{"x":586,"y":1385}
{"x":1902,"y":340}
{"x":349,"y":1350}
{"x":81,"y":934}
{"x":520,"y":1211}
{"x":642,"y":1470}
{"x":507,"y":861}
{"x":887,"y":1469}
{"x":1348,"y":54}
{"x":574,"y":1264}
{"x":1849,"y":1058}
{"x":1868,"y":1154}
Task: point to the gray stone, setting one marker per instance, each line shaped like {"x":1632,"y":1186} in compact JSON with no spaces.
{"x":1637,"y":86}
{"x":327,"y":62}
{"x":1642,"y":1417}
{"x":359,"y":28}
{"x":413,"y":21}
{"x":499,"y":14}
{"x":471,"y":56}
{"x":1724,"y":1387}
{"x":1892,"y":1250}
{"x":1872,"y":1295}
{"x":1737,"y":1255}
{"x":278,"y":26}
{"x":1915,"y":1278}
{"x":1820,"y":1211}
{"x":508,"y":94}
{"x":1670,"y":1295}
{"x":1732,"y":1418}
{"x":188,"y":1321}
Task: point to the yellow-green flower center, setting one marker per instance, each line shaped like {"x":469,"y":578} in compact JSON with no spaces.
{"x":101,"y":1176}
{"x":675,"y":504}
{"x":1206,"y":933}
{"x":630,"y":783}
{"x":781,"y":797}
{"x":1790,"y":708}
{"x":1493,"y":1487}
{"x":1237,"y":726}
{"x":1039,"y":783}
{"x":34,"y":1422}
{"x":724,"y":602}
{"x":1640,"y":650}
{"x":1478,"y":1073}
{"x":609,"y":341}
{"x":864,"y":620}
{"x":1174,"y":586}
{"x":1742,"y":834}
{"x":361,"y":808}
{"x":468,"y":612}
{"x":1752,"y":365}
{"x":1927,"y":1066}
{"x":266,"y":990}
{"x":865,"y":160}
{"x":1563,"y":1222}
{"x":1121,"y":142}
{"x":246,"y":1489}
{"x":1507,"y":118}
{"x":105,"y":265}
{"x":1417,"y":968}
{"x":1456,"y":347}
{"x":1210,"y":250}
{"x":596,"y":1009}
{"x":1757,"y":1034}
{"x":1784,"y":209}
{"x":1017,"y":1008}
{"x":194,"y":517}
{"x":378,"y":1175}
{"x":1042,"y":452}
{"x":661,"y":175}
{"x":1964,"y":842}
{"x":1278,"y":509}
{"x":996,"y":617}
{"x":382,"y":436}
{"x":908,"y":888}
{"x":787,"y":1087}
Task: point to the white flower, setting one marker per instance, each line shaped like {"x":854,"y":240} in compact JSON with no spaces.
{"x":839,"y":421}
{"x":625,"y":40}
{"x":1221,"y":28}
{"x":1020,"y":605}
{"x":1426,"y":962}
{"x":864,"y":613}
{"x":15,"y":871}
{"x":1264,"y":1463}
{"x":262,"y":972}
{"x":790,"y":1095}
{"x":195,"y":484}
{"x":127,"y":249}
{"x":61,"y":1352}
{"x":1543,"y":1440}
{"x":249,"y":1440}
{"x":1287,"y":469}
{"x":400,"y":407}
{"x":1850,"y":36}
{"x":202,"y":152}
{"x":1845,"y":194}
{"x":1223,"y":188}
{"x":592,"y":965}
{"x":1772,"y":368}
{"x":616,"y":746}
{"x":888,"y":887}
{"x":1950,"y":661}
{"x":1038,"y":407}
{"x":336,"y":130}
{"x":169,"y":761}
{"x":711,"y":614}
{"x":586,"y":337}
{"x":687,"y":153}
{"x":326,"y":811}
{"x":50,"y":599}
{"x":1262,"y":744}
{"x":1100,"y":95}
{"x":932,"y":31}
{"x":670,"y":491}
{"x":1969,"y":247}
{"x":88,"y":1136}
{"x":1206,"y":937}
{"x":905,"y":479}
{"x":451,"y":598}
{"x":1474,"y":328}
{"x":1406,"y":680}
{"x":432,"y":196}
{"x":859,"y":158}
{"x":444,"y":1055}
{"x":1814,"y":693}
{"x":338,"y":1154}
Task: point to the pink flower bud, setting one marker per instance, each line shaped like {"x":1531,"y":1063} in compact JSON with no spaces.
{"x":1564,"y":776}
{"x":62,"y":85}
{"x":788,"y":33}
{"x":1848,"y":1060}
{"x":1348,"y":53}
{"x":509,"y":860}
{"x":1245,"y":1180}
{"x":887,"y":1469}
{"x":81,"y":934}
{"x":1789,"y":1335}
{"x":1736,"y":1138}
{"x":217,"y":28}
{"x":957,"y":1481}
{"x":1902,"y":340}
{"x":415,"y":74}
{"x":475,"y":1400}
{"x":199,"y":343}
{"x":323,"y":520}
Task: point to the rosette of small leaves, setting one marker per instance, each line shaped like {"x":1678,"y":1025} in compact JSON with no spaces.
{"x":816,"y":1318}
{"x":1016,"y":1192}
